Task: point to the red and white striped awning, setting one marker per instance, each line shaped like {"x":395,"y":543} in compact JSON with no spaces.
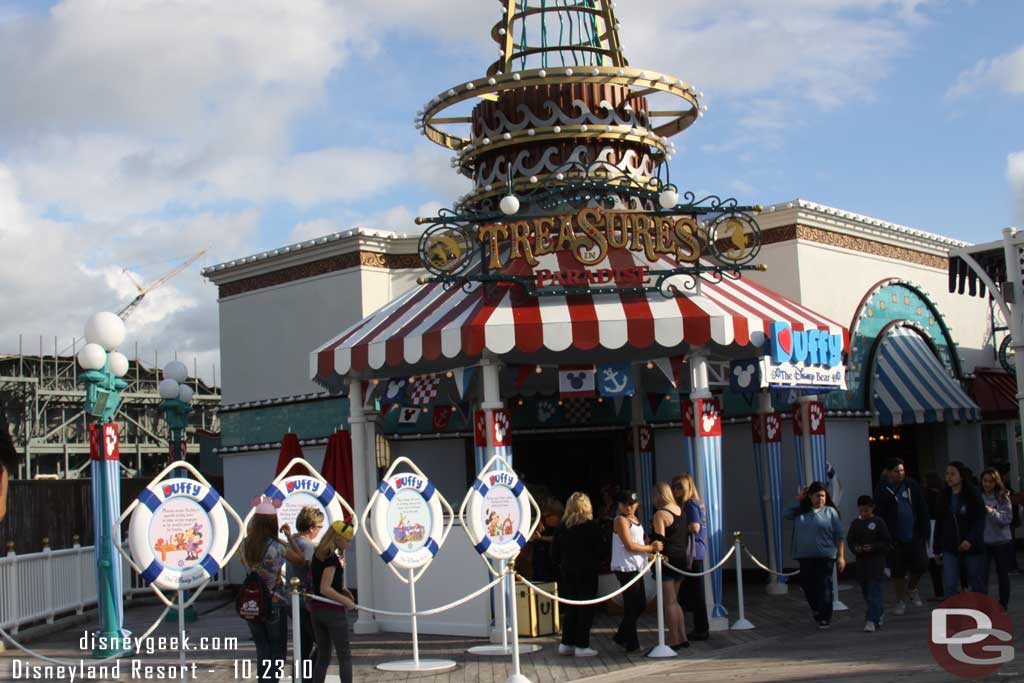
{"x":430,"y":327}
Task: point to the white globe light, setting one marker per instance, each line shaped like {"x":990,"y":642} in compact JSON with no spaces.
{"x":168,"y":389}
{"x":668,"y":199}
{"x":510,"y":205}
{"x":177,"y":371}
{"x":105,"y":329}
{"x":118,"y":364}
{"x":185,"y":394}
{"x":92,"y":357}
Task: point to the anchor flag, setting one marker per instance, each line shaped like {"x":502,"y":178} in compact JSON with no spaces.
{"x":615,"y":379}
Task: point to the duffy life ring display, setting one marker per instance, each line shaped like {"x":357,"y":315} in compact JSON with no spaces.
{"x":498,"y":515}
{"x":301,"y":491}
{"x":408,"y":525}
{"x":178,"y":534}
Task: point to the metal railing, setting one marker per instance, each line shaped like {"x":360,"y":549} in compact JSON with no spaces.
{"x":38,"y":587}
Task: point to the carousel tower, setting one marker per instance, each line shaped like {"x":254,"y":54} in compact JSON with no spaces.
{"x":559,"y":111}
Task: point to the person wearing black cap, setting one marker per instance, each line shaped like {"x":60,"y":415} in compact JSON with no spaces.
{"x":8,"y":466}
{"x":629,"y":557}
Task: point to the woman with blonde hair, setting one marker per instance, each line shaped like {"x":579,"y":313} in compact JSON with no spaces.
{"x":670,"y":529}
{"x":691,"y":593}
{"x":577,"y":550}
{"x":330,"y":627}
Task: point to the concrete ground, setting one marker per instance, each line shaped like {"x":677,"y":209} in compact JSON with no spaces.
{"x":784,"y":646}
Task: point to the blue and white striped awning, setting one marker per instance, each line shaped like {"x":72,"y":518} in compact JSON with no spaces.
{"x":911,"y":386}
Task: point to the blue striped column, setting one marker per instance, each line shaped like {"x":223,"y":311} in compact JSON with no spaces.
{"x":702,"y":425}
{"x":809,"y":429}
{"x":767,"y":436}
{"x":105,"y":468}
{"x":640,"y":444}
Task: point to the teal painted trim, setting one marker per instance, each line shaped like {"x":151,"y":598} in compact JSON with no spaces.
{"x":309,"y":420}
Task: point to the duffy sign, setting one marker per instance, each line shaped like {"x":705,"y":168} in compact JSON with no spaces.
{"x":804,"y":358}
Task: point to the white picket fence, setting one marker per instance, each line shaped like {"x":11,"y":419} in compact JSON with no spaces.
{"x":42,"y":586}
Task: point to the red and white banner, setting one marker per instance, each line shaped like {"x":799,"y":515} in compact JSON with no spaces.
{"x":708,"y":420}
{"x":424,"y":389}
{"x":766,"y":428}
{"x":442,"y":416}
{"x":104,"y":443}
{"x":816,"y":413}
{"x":501,"y":428}
{"x":576,"y":381}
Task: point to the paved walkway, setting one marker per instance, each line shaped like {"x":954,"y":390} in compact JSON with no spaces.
{"x":785,"y":646}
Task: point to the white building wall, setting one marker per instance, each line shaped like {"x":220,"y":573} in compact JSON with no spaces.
{"x":266,"y":336}
{"x":838,"y":298}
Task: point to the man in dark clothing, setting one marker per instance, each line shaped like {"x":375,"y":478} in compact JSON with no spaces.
{"x":901,"y":504}
{"x":8,"y":464}
{"x":870,"y":541}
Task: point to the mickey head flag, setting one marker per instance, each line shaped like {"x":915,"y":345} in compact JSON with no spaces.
{"x":576,"y":381}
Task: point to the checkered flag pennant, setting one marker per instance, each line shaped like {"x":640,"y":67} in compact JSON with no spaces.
{"x":576,"y":410}
{"x":424,"y":389}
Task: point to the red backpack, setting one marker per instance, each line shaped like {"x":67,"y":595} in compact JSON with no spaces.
{"x":253,"y":601}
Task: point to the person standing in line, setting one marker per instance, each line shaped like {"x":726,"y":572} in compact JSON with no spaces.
{"x":330,"y":624}
{"x":960,"y":532}
{"x":998,"y":539}
{"x":544,"y":570}
{"x":264,"y":554}
{"x":818,"y":546}
{"x":691,"y":592}
{"x":308,"y":524}
{"x":933,"y":494}
{"x":1016,"y":499}
{"x":578,"y":551}
{"x":869,"y":539}
{"x":670,"y":529}
{"x":902,"y":503}
{"x":629,"y":557}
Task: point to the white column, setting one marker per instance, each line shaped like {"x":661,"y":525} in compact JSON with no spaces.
{"x":490,"y":369}
{"x":365,"y":623}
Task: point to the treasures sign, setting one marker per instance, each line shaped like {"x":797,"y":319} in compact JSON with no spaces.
{"x":586,"y":244}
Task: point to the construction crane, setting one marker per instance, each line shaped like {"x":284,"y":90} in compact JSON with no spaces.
{"x":143,"y":291}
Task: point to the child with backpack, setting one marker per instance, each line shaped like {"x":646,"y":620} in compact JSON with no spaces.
{"x":870,"y":540}
{"x":263,"y":556}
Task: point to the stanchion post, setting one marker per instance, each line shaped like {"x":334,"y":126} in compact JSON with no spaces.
{"x":741,"y":624}
{"x":837,"y":604}
{"x":296,"y":633}
{"x":181,"y":633}
{"x":661,"y":650}
{"x":510,"y":586}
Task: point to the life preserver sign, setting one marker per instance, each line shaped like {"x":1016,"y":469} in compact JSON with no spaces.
{"x":408,"y":525}
{"x":498,"y":515}
{"x":178,"y":534}
{"x":301,"y":491}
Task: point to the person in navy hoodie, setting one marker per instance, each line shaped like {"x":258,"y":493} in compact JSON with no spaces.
{"x":960,"y":532}
{"x":903,"y":506}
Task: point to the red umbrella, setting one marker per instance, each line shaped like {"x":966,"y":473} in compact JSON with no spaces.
{"x":290,"y":449}
{"x":337,"y":469}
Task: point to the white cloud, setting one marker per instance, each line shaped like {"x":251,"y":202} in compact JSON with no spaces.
{"x":1015,"y":176}
{"x":1004,"y":73}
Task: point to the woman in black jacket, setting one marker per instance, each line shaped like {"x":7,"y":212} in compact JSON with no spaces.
{"x":960,"y":531}
{"x":578,"y":550}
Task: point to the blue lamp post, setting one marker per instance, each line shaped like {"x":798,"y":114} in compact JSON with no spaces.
{"x":177,"y":399}
{"x":103,"y":366}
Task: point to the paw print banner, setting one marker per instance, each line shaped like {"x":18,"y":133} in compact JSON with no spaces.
{"x":702,"y":427}
{"x":500,"y":428}
{"x":767,"y":438}
{"x":809,"y":418}
{"x":105,"y":464}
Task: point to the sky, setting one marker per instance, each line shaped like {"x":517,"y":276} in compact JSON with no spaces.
{"x":134,"y":133}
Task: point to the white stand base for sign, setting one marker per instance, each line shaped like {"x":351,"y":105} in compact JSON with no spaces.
{"x":500,"y":633}
{"x":718,"y":624}
{"x":416,"y":664}
{"x":742,"y":623}
{"x":777,"y":588}
{"x":661,"y":650}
